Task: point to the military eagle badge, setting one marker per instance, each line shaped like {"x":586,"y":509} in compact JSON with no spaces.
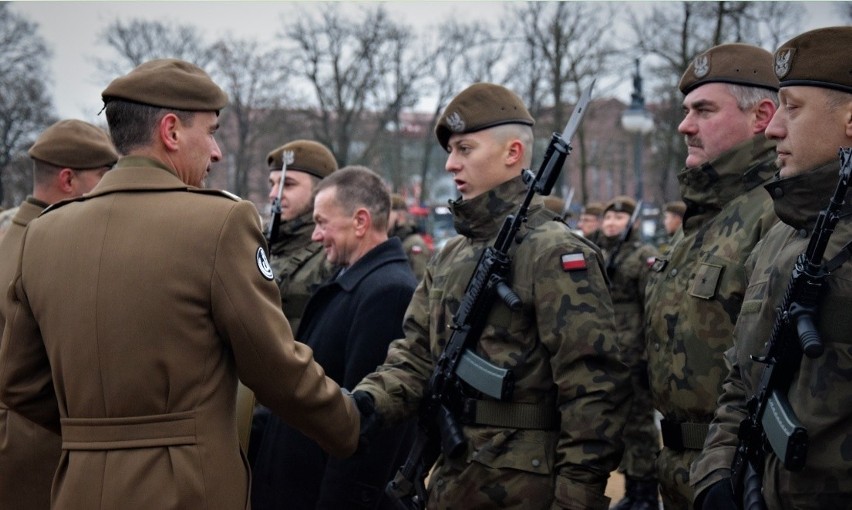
{"x":701,"y":66}
{"x":783,"y":59}
{"x":455,"y":121}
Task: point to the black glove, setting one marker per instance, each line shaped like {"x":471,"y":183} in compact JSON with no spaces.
{"x":720,"y":496}
{"x":371,"y":421}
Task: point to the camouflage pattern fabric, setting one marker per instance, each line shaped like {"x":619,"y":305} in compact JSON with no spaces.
{"x":821,"y":391}
{"x":299,"y":266}
{"x":695,"y":292}
{"x":627,"y":288}
{"x":561,"y":346}
{"x":415,"y":248}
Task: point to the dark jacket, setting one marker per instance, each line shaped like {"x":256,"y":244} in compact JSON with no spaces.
{"x":349,"y":323}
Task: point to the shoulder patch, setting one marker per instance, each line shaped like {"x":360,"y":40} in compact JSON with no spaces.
{"x":263,"y":264}
{"x":573,"y":261}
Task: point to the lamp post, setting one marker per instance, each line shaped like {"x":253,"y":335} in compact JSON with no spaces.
{"x":638,"y":121}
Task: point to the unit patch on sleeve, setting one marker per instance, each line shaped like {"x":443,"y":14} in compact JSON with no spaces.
{"x":573,"y":261}
{"x":263,"y":264}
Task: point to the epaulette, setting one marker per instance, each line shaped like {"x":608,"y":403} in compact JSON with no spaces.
{"x":220,"y":192}
{"x":57,"y":205}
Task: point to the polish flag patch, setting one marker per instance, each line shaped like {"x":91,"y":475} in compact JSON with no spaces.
{"x":573,"y":262}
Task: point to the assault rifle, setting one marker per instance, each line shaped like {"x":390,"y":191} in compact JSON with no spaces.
{"x":271,"y":233}
{"x":771,"y":421}
{"x":622,"y":238}
{"x":458,"y":366}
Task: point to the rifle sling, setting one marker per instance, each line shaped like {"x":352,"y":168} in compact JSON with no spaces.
{"x":511,"y":415}
{"x":682,"y":435}
{"x":839,"y":259}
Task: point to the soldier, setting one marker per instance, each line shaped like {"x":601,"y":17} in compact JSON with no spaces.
{"x":298,"y":262}
{"x":630,"y":261}
{"x":165,"y":297}
{"x":366,"y":303}
{"x":413,"y":244}
{"x":560,"y":346}
{"x":589,"y":222}
{"x":69,"y":158}
{"x":695,"y":291}
{"x":813,"y":120}
{"x":673,"y":217}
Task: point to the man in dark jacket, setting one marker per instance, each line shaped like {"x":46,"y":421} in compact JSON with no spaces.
{"x":349,"y":323}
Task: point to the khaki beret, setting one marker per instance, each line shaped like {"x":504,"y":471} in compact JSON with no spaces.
{"x":737,"y":63}
{"x":74,"y":144}
{"x":676,"y":207}
{"x":168,"y":83}
{"x":398,"y":202}
{"x":819,"y":58}
{"x":308,"y":156}
{"x":481,"y":106}
{"x":593,"y":208}
{"x":621,"y":203}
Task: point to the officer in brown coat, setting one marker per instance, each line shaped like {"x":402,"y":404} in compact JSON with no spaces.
{"x":69,"y":158}
{"x":166,"y":296}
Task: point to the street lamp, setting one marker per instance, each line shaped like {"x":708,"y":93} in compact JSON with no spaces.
{"x":638,"y":121}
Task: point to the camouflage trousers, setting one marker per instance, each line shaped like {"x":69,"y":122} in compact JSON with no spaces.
{"x":641,"y":435}
{"x":475,"y":486}
{"x":673,"y":474}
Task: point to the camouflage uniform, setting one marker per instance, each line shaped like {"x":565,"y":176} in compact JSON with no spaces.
{"x":821,"y":391}
{"x":694,"y":295}
{"x":299,"y":265}
{"x":627,"y":288}
{"x":561,"y":347}
{"x":415,"y":248}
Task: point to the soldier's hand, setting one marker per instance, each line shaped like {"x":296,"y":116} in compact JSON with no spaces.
{"x":371,"y":421}
{"x":720,"y":496}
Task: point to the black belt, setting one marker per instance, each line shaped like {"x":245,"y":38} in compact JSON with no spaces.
{"x":683,"y":435}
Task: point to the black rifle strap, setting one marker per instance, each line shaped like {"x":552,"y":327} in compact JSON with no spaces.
{"x":839,"y":259}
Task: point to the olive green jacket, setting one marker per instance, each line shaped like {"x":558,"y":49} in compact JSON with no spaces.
{"x":821,"y":390}
{"x":560,"y":346}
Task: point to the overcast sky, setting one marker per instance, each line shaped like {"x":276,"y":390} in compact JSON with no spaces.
{"x":72,"y":29}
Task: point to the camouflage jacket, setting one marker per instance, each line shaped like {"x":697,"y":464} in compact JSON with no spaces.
{"x":821,"y":391}
{"x":695,"y":291}
{"x":561,"y":347}
{"x":299,"y":265}
{"x":415,"y":248}
{"x":627,"y":289}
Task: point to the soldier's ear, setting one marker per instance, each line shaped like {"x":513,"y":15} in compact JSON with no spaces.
{"x":514,"y":152}
{"x":167,"y":130}
{"x":362,"y":221}
{"x":64,"y":179}
{"x":763,"y":113}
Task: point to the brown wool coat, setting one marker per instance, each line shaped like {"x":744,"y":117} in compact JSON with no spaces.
{"x":28,"y":453}
{"x":141,"y":304}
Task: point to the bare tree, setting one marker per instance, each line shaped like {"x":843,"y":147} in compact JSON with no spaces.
{"x":358,"y":75}
{"x":465,"y":53}
{"x":674,"y":36}
{"x":561,"y":47}
{"x":25,"y":105}
{"x":254,"y":79}
{"x":137,"y":41}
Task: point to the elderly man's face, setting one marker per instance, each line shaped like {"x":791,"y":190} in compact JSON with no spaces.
{"x":713,"y":123}
{"x":198,"y":148}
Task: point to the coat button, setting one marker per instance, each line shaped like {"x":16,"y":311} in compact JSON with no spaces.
{"x":674,"y":272}
{"x":656,"y":346}
{"x":536,"y":463}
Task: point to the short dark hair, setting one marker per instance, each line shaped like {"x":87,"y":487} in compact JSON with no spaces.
{"x":132,"y":125}
{"x":358,"y":186}
{"x":43,"y":172}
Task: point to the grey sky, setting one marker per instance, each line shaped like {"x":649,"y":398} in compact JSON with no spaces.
{"x":72,"y":28}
